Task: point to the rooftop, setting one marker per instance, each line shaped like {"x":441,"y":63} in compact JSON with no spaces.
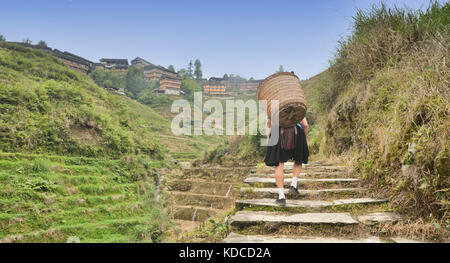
{"x":115,"y":61}
{"x":138,"y":59}
{"x":153,"y":66}
{"x":69,"y":56}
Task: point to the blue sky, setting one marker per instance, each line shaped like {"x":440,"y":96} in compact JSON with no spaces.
{"x":250,"y":38}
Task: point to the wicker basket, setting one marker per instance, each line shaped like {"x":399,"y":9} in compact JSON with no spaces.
{"x":286,"y":88}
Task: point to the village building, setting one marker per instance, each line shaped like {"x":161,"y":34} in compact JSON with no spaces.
{"x":169,"y":82}
{"x":215,"y":90}
{"x":216,"y":81}
{"x":232,"y":83}
{"x":156,"y":73}
{"x":170,"y":86}
{"x":73,"y":61}
{"x":98,"y":65}
{"x":140,"y":62}
{"x":120,"y":65}
{"x":250,"y":86}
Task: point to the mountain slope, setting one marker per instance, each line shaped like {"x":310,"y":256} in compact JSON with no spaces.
{"x":76,"y":162}
{"x":46,"y":107}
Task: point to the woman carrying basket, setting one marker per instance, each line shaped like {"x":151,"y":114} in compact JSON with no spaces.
{"x":290,"y":144}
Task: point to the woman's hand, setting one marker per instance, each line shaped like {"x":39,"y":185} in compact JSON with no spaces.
{"x":305,"y":126}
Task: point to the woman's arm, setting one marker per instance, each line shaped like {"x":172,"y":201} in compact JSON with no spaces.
{"x":305,"y":126}
{"x":268,"y":126}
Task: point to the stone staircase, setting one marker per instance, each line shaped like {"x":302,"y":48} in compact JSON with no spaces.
{"x":197,"y":194}
{"x":332,"y":207}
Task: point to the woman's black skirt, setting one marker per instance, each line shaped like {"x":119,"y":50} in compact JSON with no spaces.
{"x":276,"y":155}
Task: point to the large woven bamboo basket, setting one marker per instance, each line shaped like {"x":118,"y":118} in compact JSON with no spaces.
{"x":287,"y":89}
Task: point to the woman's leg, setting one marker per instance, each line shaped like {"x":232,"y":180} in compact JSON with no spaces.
{"x":296,"y":170}
{"x":279,"y":175}
{"x":279,"y":178}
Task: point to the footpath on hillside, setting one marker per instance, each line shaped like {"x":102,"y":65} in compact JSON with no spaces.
{"x":333,"y":206}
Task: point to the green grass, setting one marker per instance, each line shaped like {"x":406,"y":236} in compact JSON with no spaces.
{"x":46,"y":195}
{"x":47,"y":108}
{"x":78,"y":160}
{"x":383,"y":103}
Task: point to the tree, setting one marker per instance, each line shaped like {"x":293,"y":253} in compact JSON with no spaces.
{"x":225,"y":76}
{"x":27,"y":41}
{"x":108,"y":78}
{"x":42,"y":44}
{"x":182,"y":73}
{"x":171,"y":68}
{"x":135,"y":81}
{"x":2,"y":38}
{"x":198,"y":69}
{"x":281,"y":69}
{"x":189,"y":69}
{"x":189,"y":86}
{"x":251,"y":79}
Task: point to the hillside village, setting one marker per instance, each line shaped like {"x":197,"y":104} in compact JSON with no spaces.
{"x":87,"y":149}
{"x":169,"y":81}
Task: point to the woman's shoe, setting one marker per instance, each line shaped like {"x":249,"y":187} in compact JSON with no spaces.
{"x":281,"y":202}
{"x":293,"y":190}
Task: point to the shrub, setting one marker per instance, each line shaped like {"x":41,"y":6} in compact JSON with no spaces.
{"x":384,"y":101}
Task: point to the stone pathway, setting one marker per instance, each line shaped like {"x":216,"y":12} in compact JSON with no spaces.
{"x":332,"y":207}
{"x":197,"y":194}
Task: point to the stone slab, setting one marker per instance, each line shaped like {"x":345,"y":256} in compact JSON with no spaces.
{"x":256,"y":180}
{"x":405,"y":240}
{"x":309,"y":203}
{"x":310,"y":173}
{"x":303,"y":192}
{"x":236,"y":238}
{"x":383,"y":217}
{"x":252,"y":217}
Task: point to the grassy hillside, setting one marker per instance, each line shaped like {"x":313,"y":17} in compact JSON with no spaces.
{"x":75,"y":160}
{"x":186,"y":147}
{"x":384,"y":104}
{"x":47,"y":108}
{"x":235,"y":150}
{"x":52,"y":198}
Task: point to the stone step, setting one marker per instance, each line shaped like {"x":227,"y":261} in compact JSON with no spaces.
{"x":245,"y":218}
{"x":377,"y":218}
{"x":215,"y":174}
{"x":289,"y":165}
{"x":191,"y":213}
{"x":236,"y":238}
{"x":255,"y":192}
{"x":406,"y":240}
{"x":303,"y":174}
{"x":302,"y":181}
{"x":307,"y":203}
{"x":288,"y":169}
{"x":203,"y":200}
{"x":327,"y":168}
{"x":201,"y":187}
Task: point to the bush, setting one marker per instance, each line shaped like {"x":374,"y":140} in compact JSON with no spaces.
{"x":384,"y":102}
{"x":151,"y":99}
{"x":382,"y":37}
